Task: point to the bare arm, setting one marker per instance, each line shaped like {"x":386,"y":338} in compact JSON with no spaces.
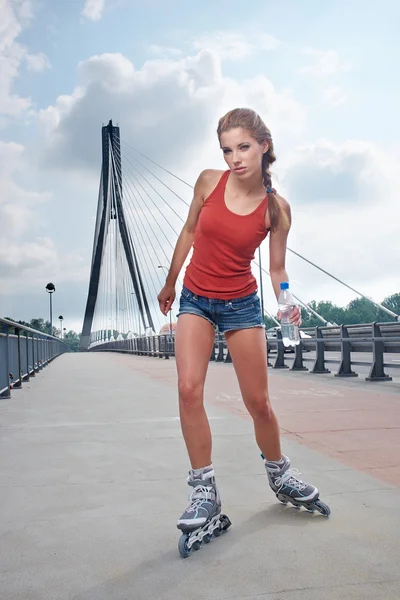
{"x":277,"y":252}
{"x":277,"y":258}
{"x":185,"y":240}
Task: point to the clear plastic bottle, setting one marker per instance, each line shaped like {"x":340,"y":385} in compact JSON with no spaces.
{"x":286,"y":303}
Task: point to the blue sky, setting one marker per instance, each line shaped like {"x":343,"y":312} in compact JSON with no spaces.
{"x":323,"y":75}
{"x":364,"y":34}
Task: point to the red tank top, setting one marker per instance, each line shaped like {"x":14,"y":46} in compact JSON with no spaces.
{"x":223,"y":248}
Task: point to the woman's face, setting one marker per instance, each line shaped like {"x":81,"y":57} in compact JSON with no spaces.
{"x":242,"y":153}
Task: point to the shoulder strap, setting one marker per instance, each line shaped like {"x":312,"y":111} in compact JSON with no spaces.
{"x":220,"y":185}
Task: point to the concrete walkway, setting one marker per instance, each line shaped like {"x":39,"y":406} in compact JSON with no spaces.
{"x":93,"y":467}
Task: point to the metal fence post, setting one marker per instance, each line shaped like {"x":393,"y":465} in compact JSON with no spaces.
{"x":167,"y":345}
{"x":319,"y":364}
{"x":220,"y":347}
{"x":228,"y":358}
{"x":345,"y":364}
{"x":19,"y":382}
{"x":298,"y":359}
{"x":280,"y":352}
{"x":269,"y":364}
{"x":6,"y":363}
{"x":377,"y":372}
{"x":35,"y":360}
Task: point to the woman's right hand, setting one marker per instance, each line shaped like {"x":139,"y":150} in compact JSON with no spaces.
{"x":166,"y":298}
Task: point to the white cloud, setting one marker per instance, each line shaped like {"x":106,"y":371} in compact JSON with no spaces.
{"x":334,"y":95}
{"x":326,"y":63}
{"x":18,"y":205}
{"x":13,"y":17}
{"x":232,"y":45}
{"x":37,"y":62}
{"x":93,"y":9}
{"x":25,"y":256}
{"x":345,"y":218}
{"x":169,"y":108}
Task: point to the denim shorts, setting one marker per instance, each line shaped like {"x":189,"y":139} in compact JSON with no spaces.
{"x":226,"y":315}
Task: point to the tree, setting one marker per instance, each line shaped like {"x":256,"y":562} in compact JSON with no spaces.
{"x":40,"y":325}
{"x":392,"y":303}
{"x":72,"y":339}
{"x":360,"y":310}
{"x":269,"y":322}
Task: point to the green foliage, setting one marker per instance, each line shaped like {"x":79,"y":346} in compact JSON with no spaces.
{"x":393,"y":303}
{"x":71,"y":338}
{"x":269,"y":322}
{"x":359,"y":310}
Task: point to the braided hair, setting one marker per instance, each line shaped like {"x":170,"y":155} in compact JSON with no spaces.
{"x":248,"y":119}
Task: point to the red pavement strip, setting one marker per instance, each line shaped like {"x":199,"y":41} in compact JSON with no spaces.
{"x":353,"y":421}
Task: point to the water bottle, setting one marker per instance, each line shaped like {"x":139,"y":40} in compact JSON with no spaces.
{"x":286,"y":303}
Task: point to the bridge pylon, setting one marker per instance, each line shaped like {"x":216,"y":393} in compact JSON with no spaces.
{"x":110,"y":209}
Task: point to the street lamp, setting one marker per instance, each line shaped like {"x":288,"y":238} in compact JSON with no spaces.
{"x":170,"y":310}
{"x":50,"y":288}
{"x":61,"y":318}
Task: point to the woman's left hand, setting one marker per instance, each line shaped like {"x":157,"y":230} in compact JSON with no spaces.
{"x":296,"y":316}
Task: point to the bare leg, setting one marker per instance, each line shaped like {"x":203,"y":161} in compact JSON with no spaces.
{"x":249,"y":356}
{"x":193,"y":344}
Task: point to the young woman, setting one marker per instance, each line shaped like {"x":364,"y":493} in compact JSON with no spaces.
{"x":231,"y":213}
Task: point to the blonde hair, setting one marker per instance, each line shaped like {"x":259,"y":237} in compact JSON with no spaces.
{"x":248,"y":119}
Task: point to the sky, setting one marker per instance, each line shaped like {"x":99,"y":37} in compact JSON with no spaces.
{"x":323,"y":76}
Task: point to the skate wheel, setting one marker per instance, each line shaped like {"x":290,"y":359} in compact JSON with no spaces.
{"x":322,"y":508}
{"x":225,"y":522}
{"x":183,"y":548}
{"x":197,"y":545}
{"x":217,"y":532}
{"x":207,"y":538}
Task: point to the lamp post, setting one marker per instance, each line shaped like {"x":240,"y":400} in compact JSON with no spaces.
{"x":50,"y":288}
{"x":61,"y":318}
{"x":170,"y":310}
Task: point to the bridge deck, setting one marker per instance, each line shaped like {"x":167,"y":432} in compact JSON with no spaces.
{"x":93,"y":473}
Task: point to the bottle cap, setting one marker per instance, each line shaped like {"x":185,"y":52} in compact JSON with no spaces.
{"x":284,"y":285}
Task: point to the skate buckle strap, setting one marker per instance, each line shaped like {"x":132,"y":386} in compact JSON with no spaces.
{"x":288,"y":478}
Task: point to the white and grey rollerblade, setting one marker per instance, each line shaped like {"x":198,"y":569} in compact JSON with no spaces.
{"x":288,"y":488}
{"x":202,"y":518}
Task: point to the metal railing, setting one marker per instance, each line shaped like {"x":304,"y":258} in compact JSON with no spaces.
{"x":23,"y":353}
{"x":377,"y":338}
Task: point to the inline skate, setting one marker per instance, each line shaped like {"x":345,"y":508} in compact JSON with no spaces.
{"x":288,"y":488}
{"x":202,"y":519}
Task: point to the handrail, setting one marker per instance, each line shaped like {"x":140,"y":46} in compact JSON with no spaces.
{"x":373,"y":337}
{"x":21,"y":327}
{"x":24,"y":353}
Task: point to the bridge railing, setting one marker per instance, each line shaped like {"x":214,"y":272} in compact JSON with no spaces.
{"x":23,"y":353}
{"x":375,"y":338}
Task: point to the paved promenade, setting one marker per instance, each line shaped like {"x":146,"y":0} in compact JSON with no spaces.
{"x":92,"y":479}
